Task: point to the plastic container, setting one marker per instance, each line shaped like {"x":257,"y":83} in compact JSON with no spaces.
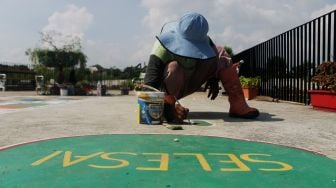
{"x":150,"y":107}
{"x":63,"y":92}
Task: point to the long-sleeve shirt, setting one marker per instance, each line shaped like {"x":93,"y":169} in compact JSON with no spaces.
{"x":159,"y":58}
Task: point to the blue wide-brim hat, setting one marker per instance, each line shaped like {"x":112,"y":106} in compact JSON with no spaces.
{"x":188,"y":37}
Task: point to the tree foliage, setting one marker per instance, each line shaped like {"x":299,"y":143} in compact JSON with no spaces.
{"x":67,"y":55}
{"x":56,"y":58}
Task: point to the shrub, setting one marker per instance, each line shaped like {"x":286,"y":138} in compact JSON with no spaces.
{"x":250,"y":81}
{"x":325,"y":76}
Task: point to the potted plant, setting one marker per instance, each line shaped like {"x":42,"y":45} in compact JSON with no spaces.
{"x":325,"y":96}
{"x":125,"y":86}
{"x":82,"y":88}
{"x":250,"y":86}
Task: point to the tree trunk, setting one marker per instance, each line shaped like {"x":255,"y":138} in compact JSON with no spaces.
{"x":60,"y":79}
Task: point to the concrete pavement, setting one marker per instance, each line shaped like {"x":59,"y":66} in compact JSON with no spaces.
{"x":281,"y":123}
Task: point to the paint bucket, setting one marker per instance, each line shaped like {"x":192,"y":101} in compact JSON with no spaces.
{"x":150,"y":107}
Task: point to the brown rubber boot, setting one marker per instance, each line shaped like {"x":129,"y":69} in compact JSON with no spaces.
{"x":238,"y":105}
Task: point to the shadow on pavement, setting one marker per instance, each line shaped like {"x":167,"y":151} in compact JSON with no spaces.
{"x":225,"y":116}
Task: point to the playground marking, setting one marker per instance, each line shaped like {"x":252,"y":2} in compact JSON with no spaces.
{"x":30,"y":103}
{"x":11,"y":106}
{"x":161,"y":161}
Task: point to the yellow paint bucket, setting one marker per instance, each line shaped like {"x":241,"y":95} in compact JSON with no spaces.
{"x":150,"y":107}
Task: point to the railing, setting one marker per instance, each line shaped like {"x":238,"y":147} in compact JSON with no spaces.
{"x":287,"y":62}
{"x":22,"y":77}
{"x":18,"y":77}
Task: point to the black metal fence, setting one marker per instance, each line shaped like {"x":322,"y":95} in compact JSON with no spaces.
{"x":18,"y":77}
{"x":22,"y":77}
{"x":287,"y":62}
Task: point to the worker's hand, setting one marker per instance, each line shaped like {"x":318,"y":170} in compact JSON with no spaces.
{"x":181,"y":112}
{"x":175,"y":113}
{"x":212,"y":85}
{"x":224,"y":57}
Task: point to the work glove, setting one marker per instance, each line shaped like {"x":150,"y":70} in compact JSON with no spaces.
{"x":213,"y":86}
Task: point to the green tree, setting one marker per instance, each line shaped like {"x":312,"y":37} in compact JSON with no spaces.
{"x":68,"y":55}
{"x":276,"y":67}
{"x":303,"y":70}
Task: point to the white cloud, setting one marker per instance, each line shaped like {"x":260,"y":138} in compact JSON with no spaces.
{"x":327,"y":8}
{"x":237,"y":23}
{"x":232,"y":22}
{"x":158,"y":12}
{"x":70,"y":23}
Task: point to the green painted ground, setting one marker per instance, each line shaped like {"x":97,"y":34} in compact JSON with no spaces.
{"x":161,"y":161}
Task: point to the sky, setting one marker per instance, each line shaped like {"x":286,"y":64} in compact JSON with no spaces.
{"x":120,"y":33}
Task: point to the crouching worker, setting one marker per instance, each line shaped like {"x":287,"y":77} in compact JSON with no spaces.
{"x":183,"y":58}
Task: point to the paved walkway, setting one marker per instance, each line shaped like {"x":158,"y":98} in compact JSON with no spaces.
{"x":279,"y":123}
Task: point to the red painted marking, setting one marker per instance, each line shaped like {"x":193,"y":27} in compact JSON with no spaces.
{"x":12,"y":106}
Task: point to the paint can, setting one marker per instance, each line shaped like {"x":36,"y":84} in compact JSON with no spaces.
{"x":150,"y":107}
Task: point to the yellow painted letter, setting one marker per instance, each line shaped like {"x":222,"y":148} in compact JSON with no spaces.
{"x":163,"y":162}
{"x":233,"y":159}
{"x":201,"y":159}
{"x":67,"y":158}
{"x":44,"y":159}
{"x":106,"y":156}
{"x":284,"y":166}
